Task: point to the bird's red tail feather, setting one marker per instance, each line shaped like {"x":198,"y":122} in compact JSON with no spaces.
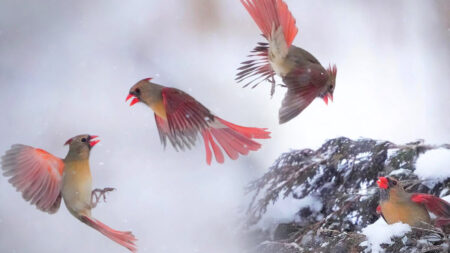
{"x":233,"y":139}
{"x":208,"y":139}
{"x":268,"y":13}
{"x":125,"y":239}
{"x":442,"y":222}
{"x":250,"y":132}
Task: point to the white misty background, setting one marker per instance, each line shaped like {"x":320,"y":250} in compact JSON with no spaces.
{"x":65,"y":69}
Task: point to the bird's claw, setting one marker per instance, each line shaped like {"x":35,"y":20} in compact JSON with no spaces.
{"x":274,"y":84}
{"x":97,"y":194}
{"x":272,"y":89}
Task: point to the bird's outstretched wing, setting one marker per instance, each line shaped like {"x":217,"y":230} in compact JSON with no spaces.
{"x":257,"y":69}
{"x":37,"y":174}
{"x":185,"y":118}
{"x":278,"y":26}
{"x":304,"y":84}
{"x":269,"y":15}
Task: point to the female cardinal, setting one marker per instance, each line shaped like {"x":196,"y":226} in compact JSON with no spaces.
{"x":43,"y":179}
{"x":180,"y":118}
{"x":301,"y":72}
{"x":396,"y":205}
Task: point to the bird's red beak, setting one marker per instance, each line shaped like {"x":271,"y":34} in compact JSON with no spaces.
{"x":93,"y":142}
{"x":382,"y":182}
{"x":134,"y":101}
{"x":328,"y":96}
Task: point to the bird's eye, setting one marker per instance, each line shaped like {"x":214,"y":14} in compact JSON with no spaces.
{"x":83,"y":140}
{"x":394,"y":182}
{"x":138,"y":91}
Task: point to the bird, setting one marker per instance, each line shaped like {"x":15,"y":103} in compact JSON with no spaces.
{"x":397,"y":205}
{"x":44,"y":179}
{"x":302,"y":74}
{"x":180,"y":119}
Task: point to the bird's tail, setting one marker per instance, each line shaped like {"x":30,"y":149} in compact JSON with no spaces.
{"x":442,"y":222}
{"x":269,"y":15}
{"x":233,"y":139}
{"x":125,"y":239}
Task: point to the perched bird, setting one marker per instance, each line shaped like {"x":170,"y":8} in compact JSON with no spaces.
{"x":397,"y":205}
{"x":302,"y":74}
{"x":44,"y":179}
{"x":180,"y":118}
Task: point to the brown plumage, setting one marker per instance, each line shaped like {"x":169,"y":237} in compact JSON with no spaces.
{"x":180,"y":119}
{"x":397,"y":205}
{"x":302,"y":74}
{"x":44,"y":179}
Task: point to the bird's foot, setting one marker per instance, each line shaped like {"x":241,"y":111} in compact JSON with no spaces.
{"x":272,"y":90}
{"x":97,"y":194}
{"x":273,"y":83}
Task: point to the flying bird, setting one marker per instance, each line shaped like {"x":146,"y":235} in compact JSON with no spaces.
{"x":44,"y":179}
{"x":302,"y":74}
{"x":180,"y":119}
{"x":397,"y":205}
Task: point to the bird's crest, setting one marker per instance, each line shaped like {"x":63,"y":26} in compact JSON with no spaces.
{"x":332,"y":71}
{"x":68,"y":141}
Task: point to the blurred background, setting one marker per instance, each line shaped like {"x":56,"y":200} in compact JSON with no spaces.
{"x":65,"y":69}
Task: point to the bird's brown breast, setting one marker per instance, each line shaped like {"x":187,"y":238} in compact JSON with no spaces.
{"x":159,"y":109}
{"x":407,"y":212}
{"x":77,"y":186}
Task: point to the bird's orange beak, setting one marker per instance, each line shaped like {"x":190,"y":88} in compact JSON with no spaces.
{"x":328,"y":96}
{"x":93,"y":142}
{"x":134,"y":101}
{"x":383,"y":183}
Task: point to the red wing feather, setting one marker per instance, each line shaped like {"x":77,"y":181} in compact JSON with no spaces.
{"x":269,"y":15}
{"x":441,"y":222}
{"x":434,"y":204}
{"x":36,"y":173}
{"x":378,"y":209}
{"x":185,"y":118}
{"x":295,"y":101}
{"x":304,"y":85}
{"x":287,"y":21}
{"x":380,"y":213}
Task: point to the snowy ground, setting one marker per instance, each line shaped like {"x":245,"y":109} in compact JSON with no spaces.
{"x":381,"y":233}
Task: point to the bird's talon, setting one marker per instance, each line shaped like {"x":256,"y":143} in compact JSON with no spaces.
{"x":97,"y":194}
